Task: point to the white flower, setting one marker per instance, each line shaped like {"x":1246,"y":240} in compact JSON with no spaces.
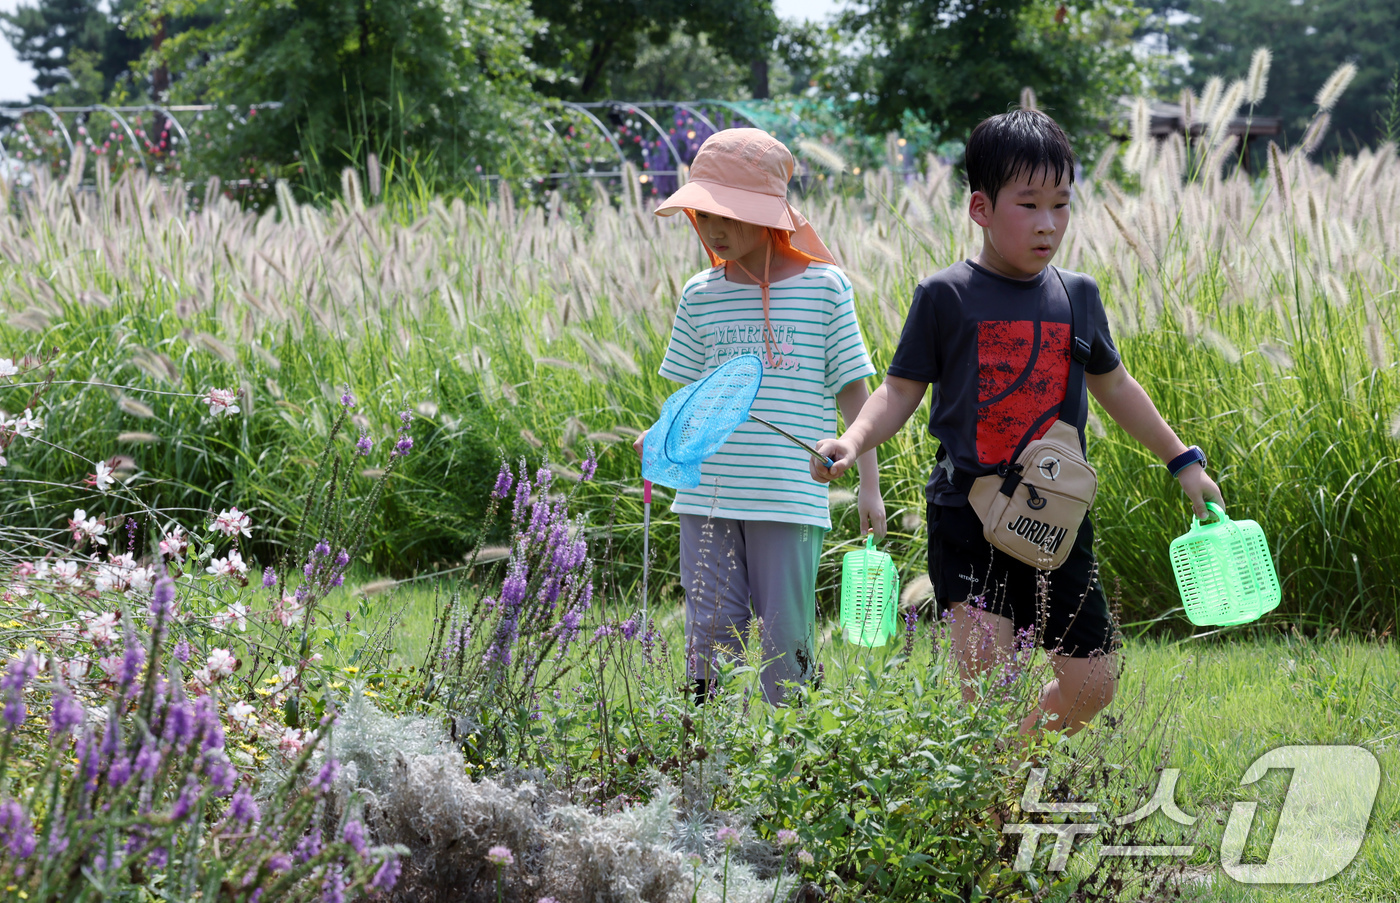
{"x":7,"y":367}
{"x":100,"y":628}
{"x":287,"y":675}
{"x":237,"y":614}
{"x":287,"y":611}
{"x":221,"y":663}
{"x":174,"y":544}
{"x":66,"y":573}
{"x":84,"y":527}
{"x":232,"y":522}
{"x":27,"y":424}
{"x":243,"y":715}
{"x":75,"y":669}
{"x":37,"y":611}
{"x":4,"y":461}
{"x":222,"y":401}
{"x":292,"y":741}
{"x":140,"y":580}
{"x":103,"y":478}
{"x":232,"y":566}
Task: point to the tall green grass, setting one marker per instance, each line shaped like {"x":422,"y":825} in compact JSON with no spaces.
{"x":1260,"y":315}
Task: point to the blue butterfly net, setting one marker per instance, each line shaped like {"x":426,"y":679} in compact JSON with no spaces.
{"x":697,"y":420}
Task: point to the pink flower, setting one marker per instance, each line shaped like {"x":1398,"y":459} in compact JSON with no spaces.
{"x":101,"y":629}
{"x":84,"y":527}
{"x":222,"y":402}
{"x":292,"y":741}
{"x":232,"y":566}
{"x":500,"y":856}
{"x":237,"y":613}
{"x":221,"y":663}
{"x":174,"y":544}
{"x":232,"y":522}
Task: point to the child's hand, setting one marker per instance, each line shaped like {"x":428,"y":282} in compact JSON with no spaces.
{"x":871,"y":506}
{"x":1200,"y":489}
{"x":637,"y":446}
{"x":842,"y":454}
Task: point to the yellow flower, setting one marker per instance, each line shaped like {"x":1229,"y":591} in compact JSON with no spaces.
{"x":352,"y":669}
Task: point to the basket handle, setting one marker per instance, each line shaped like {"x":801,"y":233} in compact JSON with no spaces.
{"x":870,"y":541}
{"x":1220,"y":517}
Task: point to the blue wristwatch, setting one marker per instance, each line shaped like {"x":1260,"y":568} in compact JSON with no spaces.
{"x":1184,"y":460}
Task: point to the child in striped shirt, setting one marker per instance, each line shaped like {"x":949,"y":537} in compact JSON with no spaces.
{"x":751,"y":534}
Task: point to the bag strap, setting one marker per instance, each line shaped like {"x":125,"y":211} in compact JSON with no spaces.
{"x":1077,"y":289}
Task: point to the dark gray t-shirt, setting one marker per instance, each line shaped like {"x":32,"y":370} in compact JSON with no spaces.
{"x":995,"y":352}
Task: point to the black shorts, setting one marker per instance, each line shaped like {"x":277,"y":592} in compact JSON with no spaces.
{"x":964,"y":566}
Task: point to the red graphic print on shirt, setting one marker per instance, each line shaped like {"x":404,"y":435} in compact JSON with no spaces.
{"x":1020,"y":382}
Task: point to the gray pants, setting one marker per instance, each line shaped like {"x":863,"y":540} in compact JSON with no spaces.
{"x":733,"y":570}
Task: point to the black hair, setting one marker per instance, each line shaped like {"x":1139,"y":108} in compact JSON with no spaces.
{"x":1011,"y":144}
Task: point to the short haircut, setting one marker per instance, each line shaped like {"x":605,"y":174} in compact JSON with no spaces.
{"x":1017,"y":143}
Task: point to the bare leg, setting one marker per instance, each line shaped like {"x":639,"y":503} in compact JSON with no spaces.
{"x":1080,"y":688}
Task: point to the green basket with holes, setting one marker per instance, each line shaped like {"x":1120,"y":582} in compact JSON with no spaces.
{"x":1224,"y":571}
{"x":869,"y":595}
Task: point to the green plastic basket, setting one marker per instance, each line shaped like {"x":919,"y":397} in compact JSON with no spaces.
{"x":869,"y":595}
{"x":1224,"y":571}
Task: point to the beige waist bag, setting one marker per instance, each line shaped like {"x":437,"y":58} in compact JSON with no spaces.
{"x":1032,"y":509}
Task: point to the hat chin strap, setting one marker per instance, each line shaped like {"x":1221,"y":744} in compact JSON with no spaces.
{"x":768,"y":336}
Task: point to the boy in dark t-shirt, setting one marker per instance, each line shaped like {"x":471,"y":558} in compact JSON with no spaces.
{"x":991,"y":336}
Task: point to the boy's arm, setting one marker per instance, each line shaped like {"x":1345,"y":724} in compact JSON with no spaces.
{"x":880,"y":417}
{"x":1125,"y":400}
{"x":869,"y":502}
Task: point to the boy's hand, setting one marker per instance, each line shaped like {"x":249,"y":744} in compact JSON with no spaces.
{"x":871,"y":506}
{"x":843,"y":455}
{"x":637,"y":446}
{"x":1200,"y":489}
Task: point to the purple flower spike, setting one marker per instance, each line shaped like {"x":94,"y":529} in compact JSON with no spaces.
{"x":16,"y":830}
{"x":342,"y":558}
{"x":67,"y":714}
{"x":323,"y":549}
{"x":387,"y":876}
{"x":17,"y":676}
{"x":308,"y":848}
{"x":588,"y":468}
{"x":182,"y":652}
{"x":364,"y":446}
{"x":187,"y":799}
{"x":354,"y":834}
{"x":403,"y":446}
{"x":269,"y":578}
{"x":163,"y":599}
{"x":329,"y":772}
{"x":503,"y":481}
{"x":333,"y":889}
{"x":347,"y":399}
{"x":242,"y":809}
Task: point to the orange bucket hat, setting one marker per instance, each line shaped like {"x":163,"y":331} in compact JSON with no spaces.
{"x":743,"y":174}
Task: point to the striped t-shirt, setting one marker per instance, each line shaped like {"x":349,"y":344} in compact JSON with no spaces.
{"x":757,"y":474}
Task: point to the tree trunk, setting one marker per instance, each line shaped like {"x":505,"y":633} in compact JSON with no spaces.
{"x":759,"y":82}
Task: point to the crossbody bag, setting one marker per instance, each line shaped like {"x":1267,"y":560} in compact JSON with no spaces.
{"x":1031,"y":508}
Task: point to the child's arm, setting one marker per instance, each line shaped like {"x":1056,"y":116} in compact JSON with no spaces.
{"x":880,"y":418}
{"x":869,"y":501}
{"x":1129,"y":405}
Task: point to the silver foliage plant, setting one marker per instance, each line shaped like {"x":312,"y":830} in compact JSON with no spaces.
{"x":410,"y":784}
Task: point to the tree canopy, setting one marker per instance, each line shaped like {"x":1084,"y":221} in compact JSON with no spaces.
{"x":952,"y":63}
{"x":439,"y":77}
{"x":1309,"y":39}
{"x":585,"y":41}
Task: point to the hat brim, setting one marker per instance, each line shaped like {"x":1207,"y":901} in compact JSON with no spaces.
{"x":735,"y":203}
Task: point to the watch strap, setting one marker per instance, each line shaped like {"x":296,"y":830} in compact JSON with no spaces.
{"x":1192,"y":455}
